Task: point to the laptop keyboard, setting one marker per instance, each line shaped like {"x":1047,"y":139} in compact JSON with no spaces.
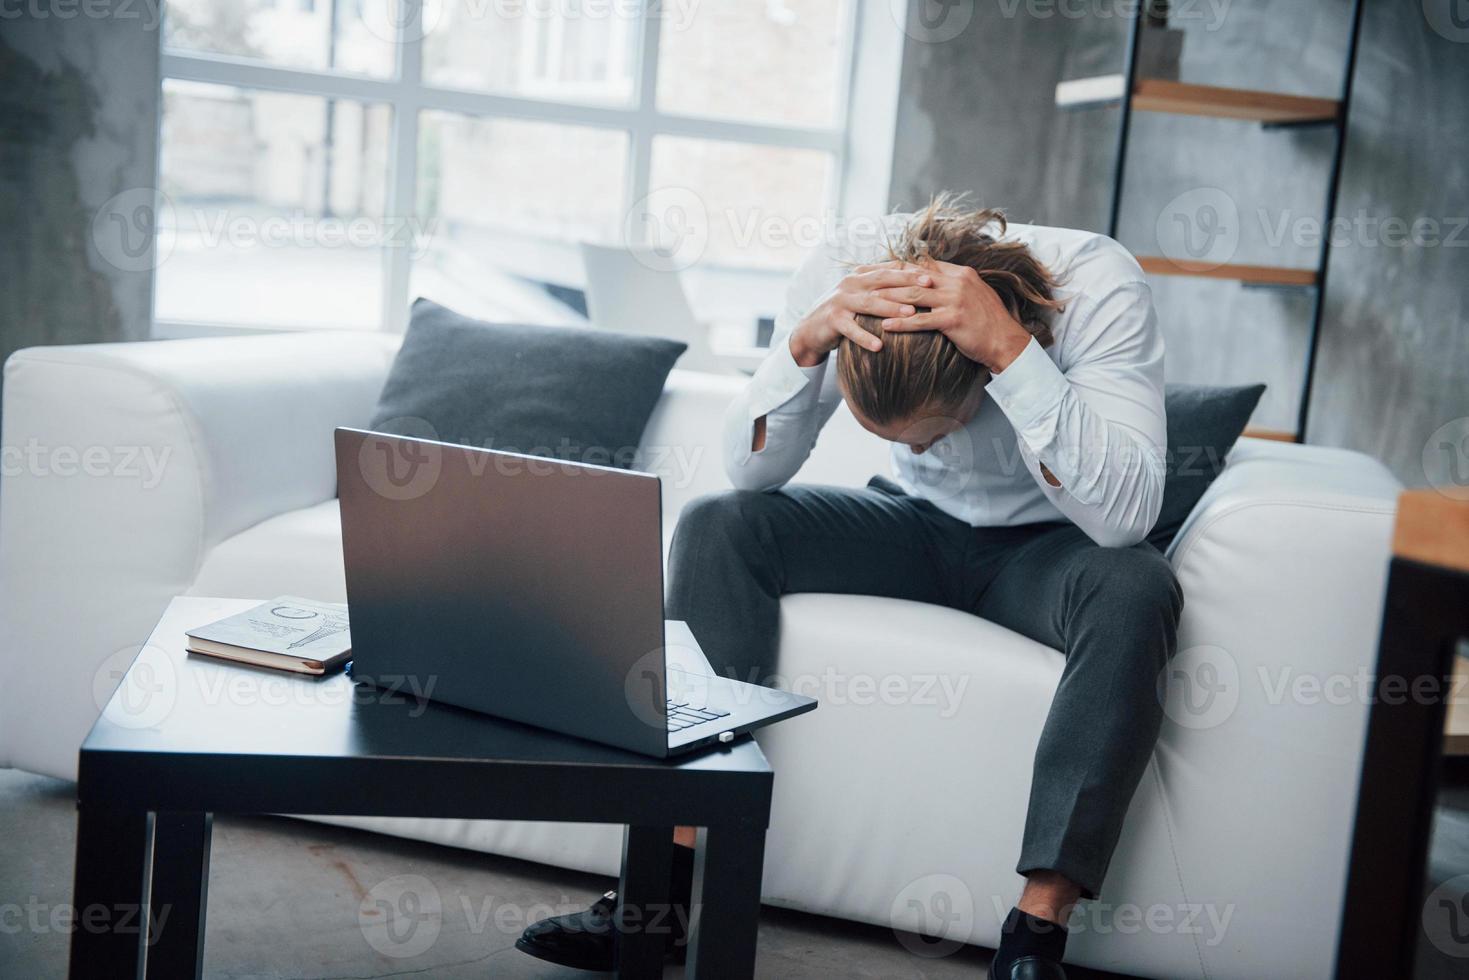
{"x":681,"y":716}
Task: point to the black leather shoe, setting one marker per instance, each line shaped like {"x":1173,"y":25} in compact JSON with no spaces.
{"x":582,"y":940}
{"x":1032,"y":968}
{"x":588,"y":940}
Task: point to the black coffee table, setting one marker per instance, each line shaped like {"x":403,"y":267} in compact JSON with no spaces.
{"x":185,"y":737}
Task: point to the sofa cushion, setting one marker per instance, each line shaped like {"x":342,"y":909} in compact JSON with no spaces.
{"x":1203,"y":424}
{"x":565,"y":392}
{"x":295,"y":553}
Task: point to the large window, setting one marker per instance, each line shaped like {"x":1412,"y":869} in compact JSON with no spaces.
{"x":324,"y":161}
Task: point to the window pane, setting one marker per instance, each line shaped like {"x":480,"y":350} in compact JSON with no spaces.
{"x":771,"y":61}
{"x":763,"y":205}
{"x":276,"y":208}
{"x":507,"y":202}
{"x":294,"y":33}
{"x":567,"y":50}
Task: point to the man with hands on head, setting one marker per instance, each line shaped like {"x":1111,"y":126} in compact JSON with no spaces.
{"x":1018,"y":373}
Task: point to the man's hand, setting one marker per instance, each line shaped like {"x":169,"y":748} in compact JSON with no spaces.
{"x":860,"y":291}
{"x":966,"y":310}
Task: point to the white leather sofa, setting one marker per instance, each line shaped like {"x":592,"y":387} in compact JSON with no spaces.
{"x":136,"y":472}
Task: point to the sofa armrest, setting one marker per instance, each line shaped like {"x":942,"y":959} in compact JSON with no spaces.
{"x":124,"y":464}
{"x":1283,"y":566}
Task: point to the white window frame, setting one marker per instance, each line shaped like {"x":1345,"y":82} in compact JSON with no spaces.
{"x":859,"y":145}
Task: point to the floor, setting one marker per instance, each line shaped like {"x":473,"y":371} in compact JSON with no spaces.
{"x":284,"y":896}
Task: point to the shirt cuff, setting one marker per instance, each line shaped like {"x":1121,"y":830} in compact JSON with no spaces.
{"x":1029,"y":392}
{"x":779,"y":383}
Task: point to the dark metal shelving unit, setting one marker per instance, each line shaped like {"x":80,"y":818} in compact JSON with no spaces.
{"x":1271,"y":111}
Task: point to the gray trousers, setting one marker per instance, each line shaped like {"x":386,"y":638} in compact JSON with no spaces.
{"x":1112,"y":611}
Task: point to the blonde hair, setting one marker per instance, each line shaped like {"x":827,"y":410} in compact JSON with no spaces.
{"x":924,"y":371}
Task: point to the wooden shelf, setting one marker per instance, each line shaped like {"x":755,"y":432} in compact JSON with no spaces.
{"x":1257,"y":275}
{"x":1160,"y":95}
{"x":1433,"y":529}
{"x":1183,"y":98}
{"x":1456,"y":723}
{"x":1274,"y":435}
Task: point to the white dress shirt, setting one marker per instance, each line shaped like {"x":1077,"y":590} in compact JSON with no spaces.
{"x":1089,"y":407}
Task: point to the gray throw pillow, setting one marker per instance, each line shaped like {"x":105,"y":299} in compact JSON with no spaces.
{"x":581,"y":395}
{"x":1203,"y":424}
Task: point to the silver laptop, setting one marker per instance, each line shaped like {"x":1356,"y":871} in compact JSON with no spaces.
{"x":530,"y":589}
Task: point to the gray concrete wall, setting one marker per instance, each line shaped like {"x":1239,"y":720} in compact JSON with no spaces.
{"x":1393,"y":374}
{"x":78,"y":126}
{"x":977,"y":113}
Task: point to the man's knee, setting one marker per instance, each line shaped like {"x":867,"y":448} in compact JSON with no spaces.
{"x":727,"y":513}
{"x":1135,"y":585}
{"x":729,"y":519}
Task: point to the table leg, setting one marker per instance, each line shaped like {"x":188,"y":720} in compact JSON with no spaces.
{"x":178,"y":896}
{"x":108,"y":892}
{"x":726,"y":914}
{"x":643,"y":911}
